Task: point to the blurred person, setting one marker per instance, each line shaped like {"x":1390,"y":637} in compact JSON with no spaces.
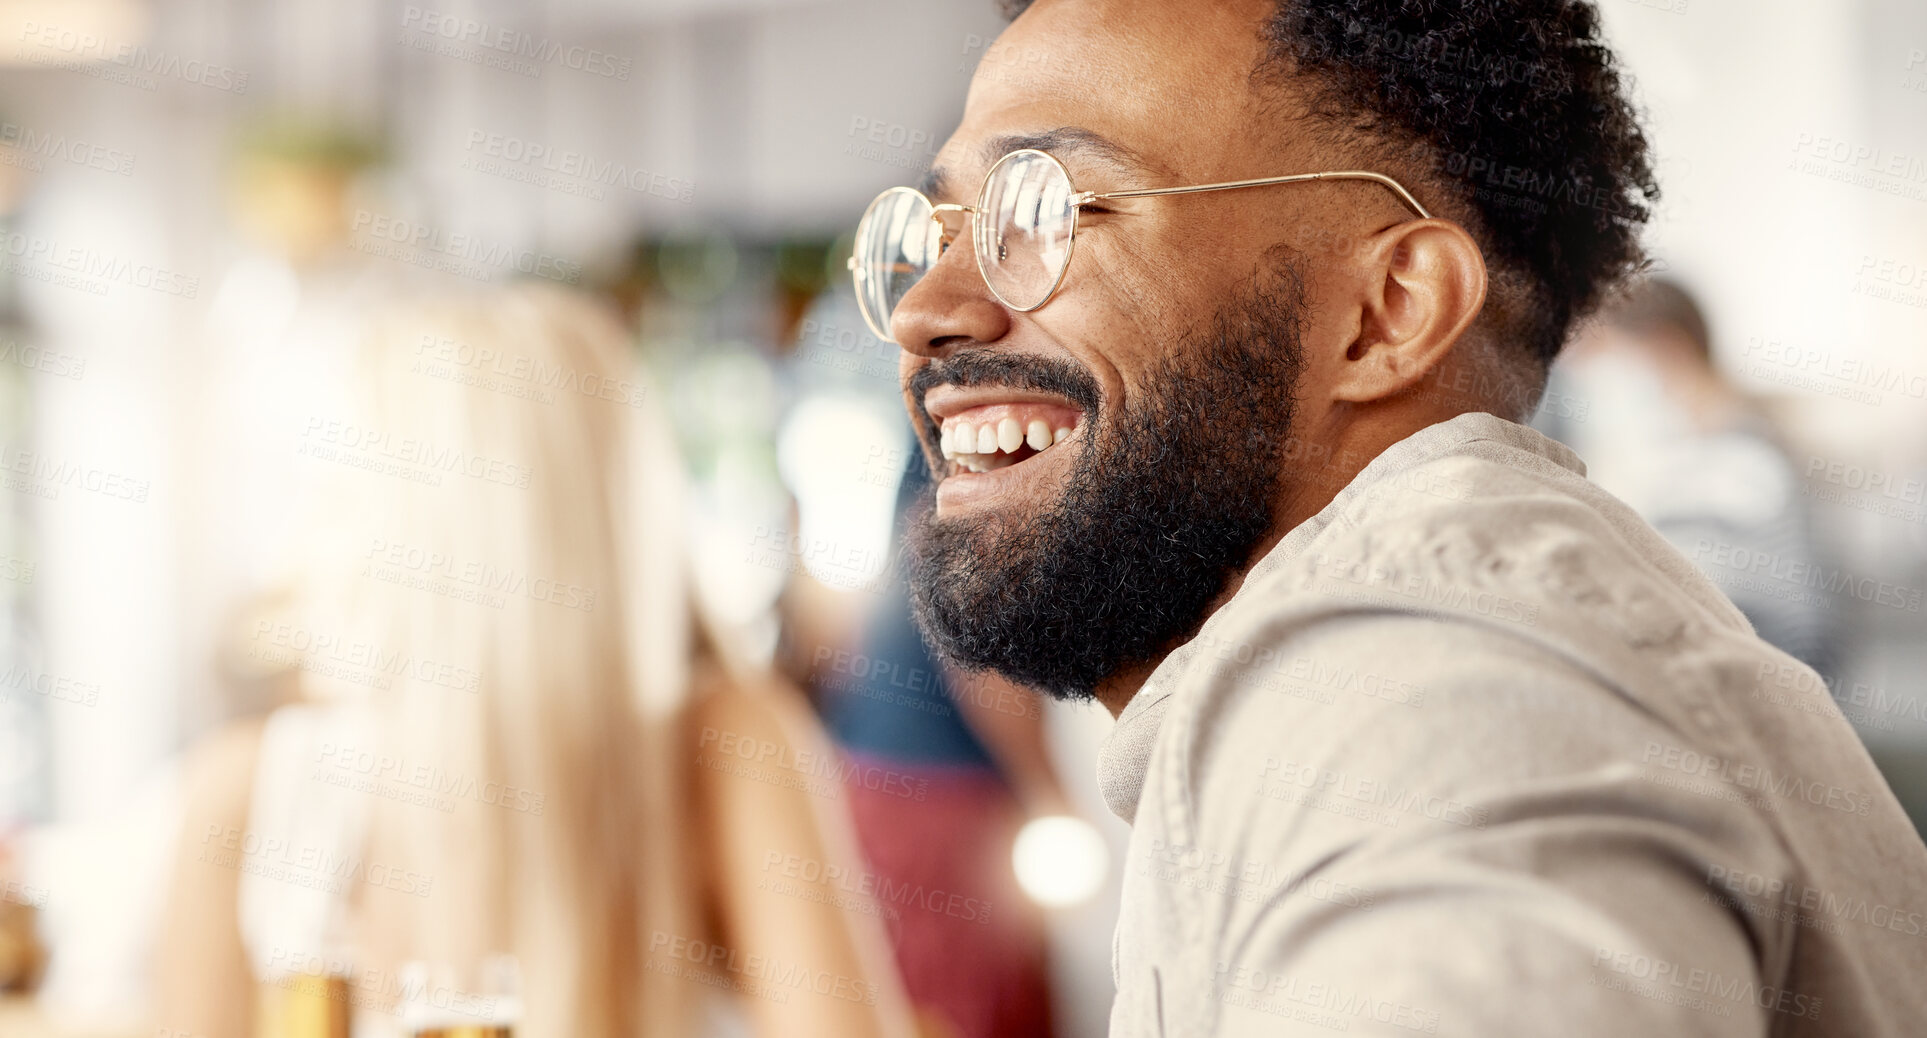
{"x":1416,"y":728}
{"x":949,"y":768}
{"x":1665,"y":432}
{"x":515,"y":758}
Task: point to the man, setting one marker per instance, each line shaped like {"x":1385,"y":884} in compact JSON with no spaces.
{"x":1417,"y":730}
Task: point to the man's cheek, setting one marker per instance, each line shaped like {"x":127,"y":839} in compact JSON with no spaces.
{"x":1138,"y":290}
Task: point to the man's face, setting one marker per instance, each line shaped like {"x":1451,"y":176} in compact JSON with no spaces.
{"x":1109,"y":462}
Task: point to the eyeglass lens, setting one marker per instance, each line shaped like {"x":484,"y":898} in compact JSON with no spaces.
{"x":1023,"y":237}
{"x":896,"y":244}
{"x":1021,"y":233}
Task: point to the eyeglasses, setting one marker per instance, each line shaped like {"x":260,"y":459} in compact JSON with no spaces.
{"x":1022,"y":227}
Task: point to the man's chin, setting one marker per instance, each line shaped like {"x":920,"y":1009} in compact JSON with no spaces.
{"x":969,"y":574}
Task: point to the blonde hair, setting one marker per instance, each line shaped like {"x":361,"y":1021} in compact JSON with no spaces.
{"x":507,"y":523}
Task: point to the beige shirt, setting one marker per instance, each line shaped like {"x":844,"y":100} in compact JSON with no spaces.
{"x":1475,"y":752}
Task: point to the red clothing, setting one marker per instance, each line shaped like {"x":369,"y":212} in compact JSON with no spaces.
{"x":970,"y":944}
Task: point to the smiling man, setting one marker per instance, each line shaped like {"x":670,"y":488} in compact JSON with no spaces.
{"x":1216,"y":319}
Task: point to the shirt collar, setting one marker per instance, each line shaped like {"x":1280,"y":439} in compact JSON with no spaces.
{"x":1126,"y":753}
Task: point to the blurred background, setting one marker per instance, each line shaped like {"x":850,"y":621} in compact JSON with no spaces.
{"x":201,"y":200}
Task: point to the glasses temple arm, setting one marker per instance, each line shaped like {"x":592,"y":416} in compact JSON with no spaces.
{"x":1397,"y":188}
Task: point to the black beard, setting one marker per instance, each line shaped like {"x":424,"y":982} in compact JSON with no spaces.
{"x":1167,"y":502}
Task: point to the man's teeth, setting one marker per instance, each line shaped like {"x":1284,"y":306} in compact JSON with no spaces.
{"x":1010,"y":435}
{"x":991,"y":445}
{"x":1038,"y":435}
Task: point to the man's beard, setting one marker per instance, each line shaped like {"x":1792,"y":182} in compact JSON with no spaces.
{"x":1168,"y":500}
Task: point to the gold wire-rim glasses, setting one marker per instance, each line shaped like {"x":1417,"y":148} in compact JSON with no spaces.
{"x":1078,"y":199}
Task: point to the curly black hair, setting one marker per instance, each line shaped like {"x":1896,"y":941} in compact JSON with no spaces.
{"x":1510,"y":111}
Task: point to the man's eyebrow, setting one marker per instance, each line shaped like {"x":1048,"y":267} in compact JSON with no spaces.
{"x":1065,"y":140}
{"x":1073,"y":140}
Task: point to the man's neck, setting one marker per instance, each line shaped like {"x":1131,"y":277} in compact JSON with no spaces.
{"x":1347,"y":448}
{"x":1117,"y":691}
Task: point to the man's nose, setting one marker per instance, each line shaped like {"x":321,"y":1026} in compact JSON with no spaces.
{"x":950,"y":306}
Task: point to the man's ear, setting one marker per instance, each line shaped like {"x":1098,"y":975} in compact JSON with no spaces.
{"x":1424,"y":284}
